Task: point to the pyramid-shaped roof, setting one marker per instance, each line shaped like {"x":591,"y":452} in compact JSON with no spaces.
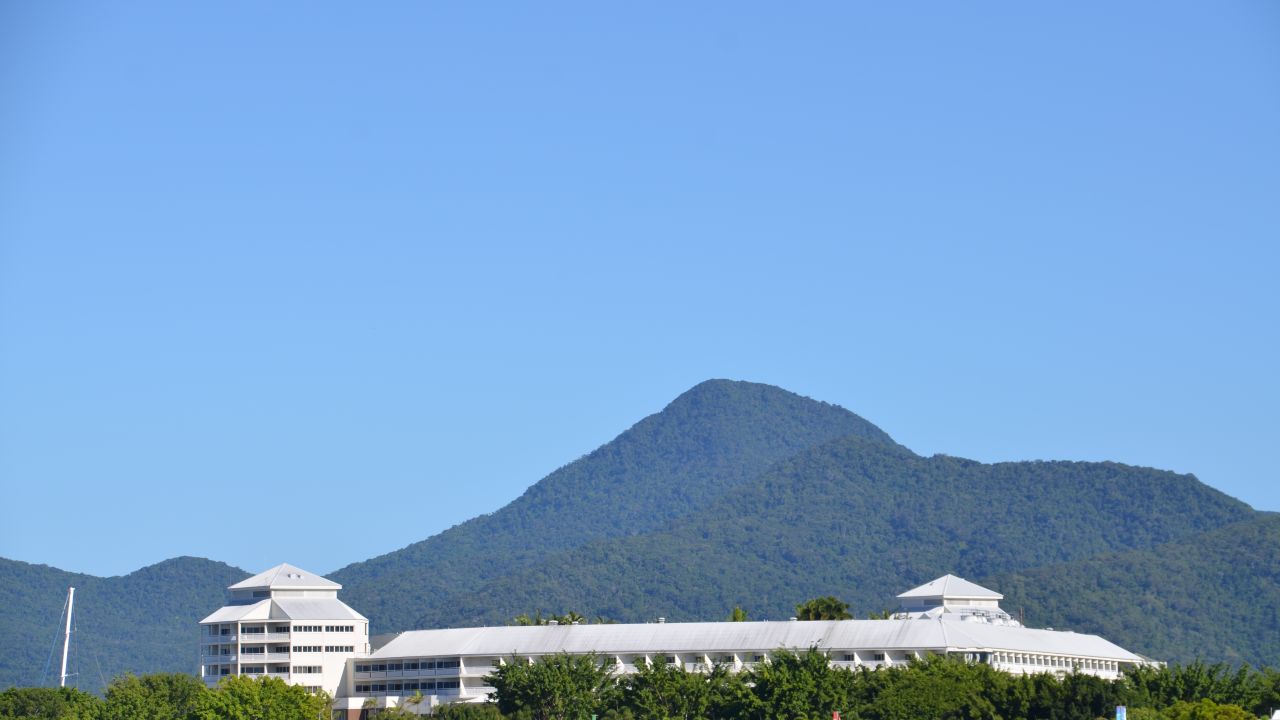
{"x":286,"y":576}
{"x":951,"y":586}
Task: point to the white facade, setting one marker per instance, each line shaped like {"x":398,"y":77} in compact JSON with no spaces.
{"x":948,"y":616}
{"x":286,"y":623}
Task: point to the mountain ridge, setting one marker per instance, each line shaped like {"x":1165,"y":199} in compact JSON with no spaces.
{"x":745,"y":494}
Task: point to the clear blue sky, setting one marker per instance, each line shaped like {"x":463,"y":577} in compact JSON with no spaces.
{"x":308,"y":282}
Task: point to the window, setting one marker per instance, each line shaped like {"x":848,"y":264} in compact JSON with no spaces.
{"x":307,"y":648}
{"x":362,"y":668}
{"x":251,"y":670}
{"x":307,"y":628}
{"x":878,"y":657}
{"x":395,"y":687}
{"x":339,"y":648}
{"x":339,"y":628}
{"x":848,"y":657}
{"x":411,"y":685}
{"x":411,"y":665}
{"x":253,"y":650}
{"x":394,"y":667}
{"x":427,"y":685}
{"x":262,"y":593}
{"x":253,"y":630}
{"x":307,"y":669}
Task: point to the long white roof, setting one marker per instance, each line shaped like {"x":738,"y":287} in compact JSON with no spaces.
{"x":951,"y":586}
{"x":937,"y":634}
{"x":286,"y":609}
{"x":286,"y":577}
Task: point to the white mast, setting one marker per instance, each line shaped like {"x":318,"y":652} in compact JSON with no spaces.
{"x":66,"y":641}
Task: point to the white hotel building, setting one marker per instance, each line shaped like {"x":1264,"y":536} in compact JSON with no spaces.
{"x":289,"y":623}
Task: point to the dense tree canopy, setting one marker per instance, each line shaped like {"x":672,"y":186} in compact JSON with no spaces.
{"x":793,"y":685}
{"x":171,"y":696}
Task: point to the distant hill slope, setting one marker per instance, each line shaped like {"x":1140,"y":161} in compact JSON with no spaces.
{"x":864,"y":521}
{"x":141,"y":622}
{"x":714,"y":437}
{"x":1214,"y":595}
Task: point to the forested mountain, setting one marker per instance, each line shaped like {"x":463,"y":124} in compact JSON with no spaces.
{"x":1213,"y":595}
{"x":739,"y":494}
{"x":717,"y":436}
{"x":141,"y":622}
{"x":864,"y":521}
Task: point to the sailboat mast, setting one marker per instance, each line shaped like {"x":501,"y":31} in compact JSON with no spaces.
{"x":66,"y":640}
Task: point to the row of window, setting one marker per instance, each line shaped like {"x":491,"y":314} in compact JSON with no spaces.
{"x":339,"y":628}
{"x":1056,"y":661}
{"x":407,"y":665}
{"x":410,"y":685}
{"x":258,"y":669}
{"x":307,"y":648}
{"x":339,"y":648}
{"x":850,"y":657}
{"x":307,"y":669}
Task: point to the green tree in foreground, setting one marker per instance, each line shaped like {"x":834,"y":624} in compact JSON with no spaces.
{"x":245,"y":698}
{"x":468,"y":711}
{"x":50,"y":703}
{"x":823,"y":608}
{"x":799,"y":685}
{"x":738,"y":615}
{"x":556,"y":687}
{"x":161,"y":696}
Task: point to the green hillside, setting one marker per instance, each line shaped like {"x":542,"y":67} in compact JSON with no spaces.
{"x":1214,"y":595}
{"x":141,"y":622}
{"x":864,"y":521}
{"x":714,"y":437}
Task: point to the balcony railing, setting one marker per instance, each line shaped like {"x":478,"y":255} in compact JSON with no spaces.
{"x":217,"y":659}
{"x":217,"y":639}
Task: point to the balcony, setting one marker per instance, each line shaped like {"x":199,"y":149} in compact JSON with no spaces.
{"x":253,"y":637}
{"x":217,"y":639}
{"x":217,"y":659}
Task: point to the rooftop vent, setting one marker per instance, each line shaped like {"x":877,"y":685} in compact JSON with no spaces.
{"x":661,"y":620}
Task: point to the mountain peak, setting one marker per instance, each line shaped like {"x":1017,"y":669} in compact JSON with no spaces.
{"x":720,"y":396}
